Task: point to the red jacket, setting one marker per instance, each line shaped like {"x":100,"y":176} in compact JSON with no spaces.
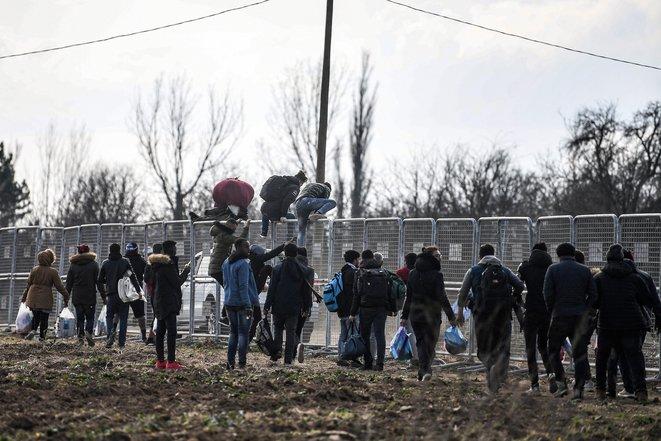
{"x":403,"y":273}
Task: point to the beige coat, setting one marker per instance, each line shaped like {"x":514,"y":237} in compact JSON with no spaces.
{"x":38,"y":293}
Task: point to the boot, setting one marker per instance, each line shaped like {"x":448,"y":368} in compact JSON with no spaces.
{"x":553,"y":385}
{"x":143,"y":328}
{"x":562,"y":389}
{"x":601,"y":395}
{"x":81,"y":341}
{"x":90,"y":339}
{"x":578,"y":395}
{"x":641,"y":396}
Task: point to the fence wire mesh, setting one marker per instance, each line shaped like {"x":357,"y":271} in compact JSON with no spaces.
{"x":554,"y":230}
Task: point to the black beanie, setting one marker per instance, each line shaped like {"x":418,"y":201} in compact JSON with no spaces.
{"x":565,"y":250}
{"x":615,"y":253}
{"x":540,"y":246}
{"x":115,"y":248}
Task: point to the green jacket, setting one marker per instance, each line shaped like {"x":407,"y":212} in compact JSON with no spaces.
{"x":223,"y":239}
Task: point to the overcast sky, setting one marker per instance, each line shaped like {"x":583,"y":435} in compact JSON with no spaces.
{"x":440,"y":83}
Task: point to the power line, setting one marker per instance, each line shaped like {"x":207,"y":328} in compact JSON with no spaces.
{"x":130,"y":34}
{"x":523,"y":37}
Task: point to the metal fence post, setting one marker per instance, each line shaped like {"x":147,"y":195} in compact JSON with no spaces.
{"x":12,"y":279}
{"x":191,"y":308}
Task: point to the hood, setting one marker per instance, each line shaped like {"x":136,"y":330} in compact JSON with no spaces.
{"x":427,"y":262}
{"x":114,"y":256}
{"x":617,"y":269}
{"x":540,"y":258}
{"x":369,"y":264}
{"x":631,"y":264}
{"x":235,"y":257}
{"x":293,"y":268}
{"x":82,"y":258}
{"x":159,"y":259}
{"x":302,"y":260}
{"x":489,"y":260}
{"x":46,"y":257}
{"x":257,"y":250}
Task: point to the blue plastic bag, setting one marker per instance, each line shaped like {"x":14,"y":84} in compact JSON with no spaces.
{"x":355,"y":346}
{"x":400,"y":345}
{"x":455,"y":342}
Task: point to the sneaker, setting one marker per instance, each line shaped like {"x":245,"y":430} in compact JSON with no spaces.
{"x":588,"y":386}
{"x":242,"y":366}
{"x":343,"y":363}
{"x":90,"y":339}
{"x":624,"y":394}
{"x":121,"y":349}
{"x":356,"y":364}
{"x":110,"y":341}
{"x":300,"y":353}
{"x":316,"y":216}
{"x":426,"y":377}
{"x":81,"y":342}
{"x":578,"y":395}
{"x":553,"y":385}
{"x":601,"y":395}
{"x":173,"y":366}
{"x":534,"y":390}
{"x":263,"y":236}
{"x":149,"y":341}
{"x":562,"y":390}
{"x":42,"y":339}
{"x":160,"y":365}
{"x":641,"y":396}
{"x":229,"y":366}
{"x":30,"y":335}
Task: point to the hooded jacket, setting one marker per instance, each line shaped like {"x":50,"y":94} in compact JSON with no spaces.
{"x":473,"y":277}
{"x":345,"y":299}
{"x":38,"y":293}
{"x":112,"y":270}
{"x":288,"y":290}
{"x":315,"y":190}
{"x":654,"y":294}
{"x":259,"y":267}
{"x":621,"y":295}
{"x":82,"y":280}
{"x":239,"y":283}
{"x":223,"y":239}
{"x":426,"y":298}
{"x":164,"y":277}
{"x":568,"y":288}
{"x":309,"y":273}
{"x":276,"y":209}
{"x":532,"y":273}
{"x":138,"y":263}
{"x":357,"y":303}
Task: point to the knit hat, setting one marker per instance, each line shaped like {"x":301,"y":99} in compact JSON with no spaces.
{"x":540,"y":246}
{"x":157,"y":248}
{"x":565,"y":249}
{"x":615,"y":253}
{"x":115,"y":248}
{"x":257,"y":250}
{"x":131,"y":247}
{"x":83,"y":248}
{"x":327,"y":184}
{"x":170,"y":247}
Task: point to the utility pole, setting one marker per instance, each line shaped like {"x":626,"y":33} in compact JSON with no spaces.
{"x":323,"y":102}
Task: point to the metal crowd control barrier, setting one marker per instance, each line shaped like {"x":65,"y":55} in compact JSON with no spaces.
{"x":326,"y":241}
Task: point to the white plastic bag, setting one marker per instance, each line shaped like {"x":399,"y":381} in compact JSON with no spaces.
{"x":24,"y":319}
{"x":65,"y":325}
{"x":101,"y":327}
{"x":126,"y":290}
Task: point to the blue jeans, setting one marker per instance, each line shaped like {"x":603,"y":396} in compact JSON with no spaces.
{"x":121,"y":309}
{"x":240,"y":322}
{"x":266,"y":222}
{"x":307,"y":206}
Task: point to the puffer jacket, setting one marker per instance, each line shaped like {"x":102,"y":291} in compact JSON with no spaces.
{"x":43,"y":278}
{"x":568,"y":288}
{"x":164,"y":277}
{"x":288,"y":289}
{"x":532,"y":273}
{"x":276,"y":209}
{"x":315,"y":190}
{"x":111,"y":272}
{"x":426,"y":298}
{"x":223,"y":239}
{"x":82,"y":280}
{"x":621,"y":295}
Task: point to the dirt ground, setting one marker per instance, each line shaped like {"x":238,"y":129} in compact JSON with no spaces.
{"x":58,"y":391}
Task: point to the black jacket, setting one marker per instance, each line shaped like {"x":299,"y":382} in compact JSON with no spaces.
{"x":568,"y":288}
{"x":138,"y":263}
{"x":532,"y":272}
{"x":260,"y":270}
{"x":621,"y":295}
{"x":287,"y":294}
{"x":654,"y":295}
{"x":426,"y":298}
{"x":345,"y":299}
{"x":276,"y":209}
{"x":164,"y":277}
{"x":82,"y":279}
{"x":112,"y":270}
{"x":358,"y":302}
{"x":315,"y":190}
{"x":308,"y":272}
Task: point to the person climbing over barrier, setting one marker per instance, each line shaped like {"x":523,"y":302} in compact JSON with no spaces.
{"x":223,"y":238}
{"x":278,"y":193}
{"x":231,"y":198}
{"x":312,"y":204}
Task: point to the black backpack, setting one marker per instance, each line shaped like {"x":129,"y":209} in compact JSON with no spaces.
{"x":374,"y":288}
{"x":274,"y":188}
{"x":495,"y":290}
{"x":264,"y":338}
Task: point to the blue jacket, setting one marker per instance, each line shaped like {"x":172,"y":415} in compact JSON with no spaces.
{"x":568,"y":288}
{"x":239,"y":283}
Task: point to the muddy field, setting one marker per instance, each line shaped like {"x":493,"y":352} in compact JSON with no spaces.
{"x":61,"y":392}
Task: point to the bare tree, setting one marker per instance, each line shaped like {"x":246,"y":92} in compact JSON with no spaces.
{"x":360,"y":138}
{"x":165,"y":127}
{"x":294,"y":118}
{"x":340,"y":183}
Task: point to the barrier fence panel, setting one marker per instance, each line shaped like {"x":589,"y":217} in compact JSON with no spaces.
{"x":25,"y":253}
{"x":254,"y":234}
{"x":554,"y":230}
{"x":136,"y":233}
{"x":90,"y":235}
{"x":594,"y":234}
{"x":207,"y":299}
{"x":155,"y":233}
{"x":416,"y":234}
{"x":7,"y":264}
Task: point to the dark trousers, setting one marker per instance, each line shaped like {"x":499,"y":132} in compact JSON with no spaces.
{"x":627,"y":344}
{"x":535,"y":333}
{"x":299,"y":328}
{"x":286,"y":323}
{"x":116,"y":307}
{"x":40,"y":322}
{"x":616,"y":361}
{"x":373,"y":318}
{"x":166,"y":325}
{"x":426,"y":335}
{"x":256,"y":318}
{"x":576,"y":329}
{"x":493,"y":334}
{"x":85,"y":319}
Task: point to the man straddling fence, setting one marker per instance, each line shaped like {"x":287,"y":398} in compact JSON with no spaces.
{"x":568,"y":290}
{"x":494,"y":291}
{"x":312,"y":204}
{"x":279,"y":192}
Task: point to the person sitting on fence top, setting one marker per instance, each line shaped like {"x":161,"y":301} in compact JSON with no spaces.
{"x":425,"y":302}
{"x":223,"y":239}
{"x":494,"y":291}
{"x":568,"y":290}
{"x":312,"y":204}
{"x":138,"y":264}
{"x":82,"y":283}
{"x":371,"y":298}
{"x":622,"y":295}
{"x":38,"y":293}
{"x":112,"y":271}
{"x":309,"y":272}
{"x":345,"y":300}
{"x":279,"y":192}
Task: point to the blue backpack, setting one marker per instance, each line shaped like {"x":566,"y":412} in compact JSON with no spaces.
{"x":332,"y":292}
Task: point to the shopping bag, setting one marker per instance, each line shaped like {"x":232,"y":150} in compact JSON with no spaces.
{"x":400,"y":345}
{"x":455,"y":342}
{"x":101,"y":327}
{"x":355,"y":346}
{"x":23,"y":319}
{"x":264,"y":338}
{"x":125,"y":288}
{"x":65,"y":325}
{"x":455,"y":309}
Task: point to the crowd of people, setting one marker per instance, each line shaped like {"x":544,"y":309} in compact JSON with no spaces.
{"x":564,"y":301}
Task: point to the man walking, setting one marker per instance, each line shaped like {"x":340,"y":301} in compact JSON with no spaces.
{"x":345,"y":300}
{"x":138,"y":264}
